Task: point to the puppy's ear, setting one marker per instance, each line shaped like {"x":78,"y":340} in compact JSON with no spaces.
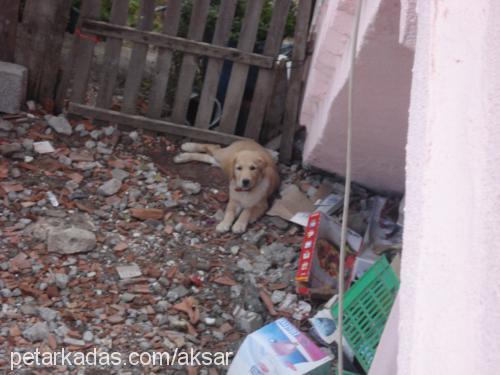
{"x":261,"y":163}
{"x":228,"y":167}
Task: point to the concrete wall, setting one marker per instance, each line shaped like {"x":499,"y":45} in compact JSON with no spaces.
{"x":383,"y":77}
{"x":450,"y":292}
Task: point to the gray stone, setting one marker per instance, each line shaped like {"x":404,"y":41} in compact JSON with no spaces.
{"x":254,"y":237}
{"x":88,"y":336}
{"x":47,"y":314}
{"x":127,"y":297}
{"x":70,"y":240}
{"x":61,"y":280}
{"x":245,"y":265}
{"x":6,"y":293}
{"x":28,"y":309}
{"x":110,"y":187}
{"x":10,"y":148}
{"x":90,"y":144}
{"x":190,"y":187}
{"x":15,"y":172}
{"x":5,"y":125}
{"x":60,"y":124}
{"x":28,"y":144}
{"x":36,"y":332}
{"x":133,"y":136}
{"x":119,"y":174}
{"x":278,"y":296}
{"x":176,"y":293}
{"x":247,"y":321}
{"x":109,"y":130}
{"x":95,"y":134}
{"x":79,"y":127}
{"x":13,"y":85}
{"x":278,"y":254}
{"x":72,"y":341}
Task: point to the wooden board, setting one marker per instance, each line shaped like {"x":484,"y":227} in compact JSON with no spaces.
{"x":138,"y":58}
{"x":80,"y":58}
{"x":293,"y":97}
{"x":265,"y":79}
{"x":151,"y":124}
{"x":239,"y":72}
{"x":177,"y":43}
{"x":164,"y":60}
{"x":109,"y":70}
{"x":8,"y":27}
{"x":214,"y":66}
{"x":190,"y":62}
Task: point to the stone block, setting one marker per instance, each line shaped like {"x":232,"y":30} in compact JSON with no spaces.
{"x":13,"y":86}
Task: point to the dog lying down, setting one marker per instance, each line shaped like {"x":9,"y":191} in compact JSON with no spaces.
{"x":253,"y":178}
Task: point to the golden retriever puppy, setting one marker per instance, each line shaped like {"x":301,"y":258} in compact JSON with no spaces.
{"x":252,"y":173}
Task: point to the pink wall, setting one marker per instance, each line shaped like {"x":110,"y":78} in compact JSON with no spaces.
{"x":383,"y":77}
{"x":450,"y":292}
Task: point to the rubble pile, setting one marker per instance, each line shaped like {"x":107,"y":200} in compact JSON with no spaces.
{"x":106,"y":243}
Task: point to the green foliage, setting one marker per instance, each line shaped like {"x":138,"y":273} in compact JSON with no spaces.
{"x":213,"y":13}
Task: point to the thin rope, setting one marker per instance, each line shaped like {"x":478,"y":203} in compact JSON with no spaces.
{"x":347,"y":194}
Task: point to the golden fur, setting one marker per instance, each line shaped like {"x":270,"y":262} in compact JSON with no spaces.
{"x":252,"y":173}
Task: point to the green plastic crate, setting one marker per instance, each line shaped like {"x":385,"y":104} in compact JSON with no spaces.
{"x":367,"y":305}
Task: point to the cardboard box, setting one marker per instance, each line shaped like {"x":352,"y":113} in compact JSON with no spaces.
{"x":319,"y":256}
{"x":279,"y":348}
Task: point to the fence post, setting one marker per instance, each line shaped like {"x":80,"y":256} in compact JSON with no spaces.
{"x":41,"y":36}
{"x":8,"y":26}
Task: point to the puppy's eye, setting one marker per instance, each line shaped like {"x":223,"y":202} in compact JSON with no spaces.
{"x":239,"y":168}
{"x":252,"y":168}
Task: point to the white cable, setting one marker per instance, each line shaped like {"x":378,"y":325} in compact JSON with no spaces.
{"x":347,"y":193}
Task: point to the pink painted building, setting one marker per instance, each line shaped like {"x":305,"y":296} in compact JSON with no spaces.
{"x":381,"y":94}
{"x":427,"y":120}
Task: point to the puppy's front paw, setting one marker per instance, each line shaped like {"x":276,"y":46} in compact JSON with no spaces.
{"x":223,"y":227}
{"x":181,"y":158}
{"x":239,"y":227}
{"x":189,"y":147}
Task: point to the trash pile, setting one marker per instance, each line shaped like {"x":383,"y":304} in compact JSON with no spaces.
{"x":106,"y":243}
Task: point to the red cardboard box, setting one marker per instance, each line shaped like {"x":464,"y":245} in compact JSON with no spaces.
{"x":319,"y":256}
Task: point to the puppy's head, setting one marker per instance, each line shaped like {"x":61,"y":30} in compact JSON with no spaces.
{"x":248,"y":170}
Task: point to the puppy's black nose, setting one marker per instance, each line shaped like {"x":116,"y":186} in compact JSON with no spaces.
{"x":245,"y":182}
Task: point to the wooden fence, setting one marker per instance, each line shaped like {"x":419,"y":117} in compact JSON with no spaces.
{"x":201,"y":66}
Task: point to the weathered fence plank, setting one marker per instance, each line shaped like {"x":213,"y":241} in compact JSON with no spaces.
{"x":190,"y":62}
{"x":138,"y":58}
{"x":164,"y":60}
{"x":239,"y":72}
{"x":151,"y":124}
{"x":176,"y":43}
{"x":81,"y":56}
{"x":119,"y":13}
{"x":8,"y":28}
{"x":293,"y":97}
{"x":265,"y":79}
{"x":214,"y":66}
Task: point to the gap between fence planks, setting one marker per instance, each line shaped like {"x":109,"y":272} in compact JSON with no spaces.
{"x":214,"y":67}
{"x":163,"y":60}
{"x":190,"y":62}
{"x":239,"y":72}
{"x":151,"y":124}
{"x":80,"y":59}
{"x":293,"y":97}
{"x":138,"y":58}
{"x":119,"y":14}
{"x":176,"y":43}
{"x":265,"y":78}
